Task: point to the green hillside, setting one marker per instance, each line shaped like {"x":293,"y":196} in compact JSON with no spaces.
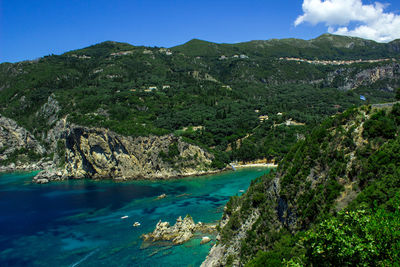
{"x":334,"y":199}
{"x":327,"y":46}
{"x":218,"y":89}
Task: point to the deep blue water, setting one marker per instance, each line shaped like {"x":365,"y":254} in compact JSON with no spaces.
{"x":78,"y":223}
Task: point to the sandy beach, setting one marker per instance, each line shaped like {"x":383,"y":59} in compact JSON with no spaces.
{"x":268,"y":165}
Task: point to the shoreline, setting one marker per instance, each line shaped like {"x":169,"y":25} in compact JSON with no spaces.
{"x":47,"y":176}
{"x":161,"y":178}
{"x":19,"y":169}
{"x":27,"y":167}
{"x":253,"y":165}
{"x":7,"y":170}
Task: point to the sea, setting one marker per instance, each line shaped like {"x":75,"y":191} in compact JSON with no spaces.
{"x":78,"y":222}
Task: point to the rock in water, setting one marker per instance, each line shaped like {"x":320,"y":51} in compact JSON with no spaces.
{"x":181,"y":232}
{"x":205,"y":240}
{"x":49,"y":175}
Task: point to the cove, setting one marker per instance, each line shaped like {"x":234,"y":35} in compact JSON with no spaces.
{"x":78,"y":222}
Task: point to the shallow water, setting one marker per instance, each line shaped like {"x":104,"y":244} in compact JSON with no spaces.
{"x":78,"y":223}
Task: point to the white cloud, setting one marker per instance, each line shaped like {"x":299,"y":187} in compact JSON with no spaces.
{"x":372,"y":22}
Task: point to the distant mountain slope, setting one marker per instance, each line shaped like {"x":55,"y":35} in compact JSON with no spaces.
{"x":327,"y":46}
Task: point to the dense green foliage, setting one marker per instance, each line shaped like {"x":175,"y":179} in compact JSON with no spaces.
{"x":339,"y":198}
{"x":356,"y":238}
{"x":380,"y":125}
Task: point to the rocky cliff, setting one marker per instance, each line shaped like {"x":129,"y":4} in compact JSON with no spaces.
{"x":19,"y":149}
{"x":352,"y":78}
{"x":13,"y":137}
{"x":82,"y":152}
{"x":226,"y":252}
{"x":99,"y":153}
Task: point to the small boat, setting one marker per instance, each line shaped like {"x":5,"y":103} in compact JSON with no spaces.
{"x":124,"y":217}
{"x":241,"y":191}
{"x":136,"y":224}
{"x":161,"y":196}
{"x":233,"y":167}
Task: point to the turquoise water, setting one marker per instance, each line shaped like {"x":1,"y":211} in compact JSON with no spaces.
{"x":78,"y":223}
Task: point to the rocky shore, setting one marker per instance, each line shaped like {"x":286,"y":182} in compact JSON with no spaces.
{"x":181,"y":232}
{"x":58,"y":174}
{"x":70,"y":151}
{"x":26,"y":167}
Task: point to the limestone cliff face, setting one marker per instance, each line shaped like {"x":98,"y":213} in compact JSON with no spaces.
{"x":82,"y":152}
{"x":49,"y":111}
{"x":99,"y":153}
{"x":15,"y":140}
{"x":220,"y":252}
{"x":352,"y":79}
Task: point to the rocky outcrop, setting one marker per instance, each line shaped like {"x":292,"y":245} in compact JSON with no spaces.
{"x":13,"y":137}
{"x":181,"y":232}
{"x":16,"y":141}
{"x":42,"y":164}
{"x":50,"y":174}
{"x":49,"y":111}
{"x":205,"y":240}
{"x":99,"y":153}
{"x":220,"y":252}
{"x":352,"y":79}
{"x":81,"y":152}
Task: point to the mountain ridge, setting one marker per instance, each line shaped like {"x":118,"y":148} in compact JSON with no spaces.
{"x":339,"y":39}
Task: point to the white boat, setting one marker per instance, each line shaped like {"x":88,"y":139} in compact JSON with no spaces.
{"x":124,"y":217}
{"x":161,"y":196}
{"x":241,"y":191}
{"x":136,"y":224}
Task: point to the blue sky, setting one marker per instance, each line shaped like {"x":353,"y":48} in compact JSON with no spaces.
{"x":30,"y":29}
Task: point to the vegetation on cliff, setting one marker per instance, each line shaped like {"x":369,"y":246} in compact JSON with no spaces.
{"x":334,"y":199}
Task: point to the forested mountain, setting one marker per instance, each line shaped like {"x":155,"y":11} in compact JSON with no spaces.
{"x":327,"y":46}
{"x":241,"y":101}
{"x":333,"y":201}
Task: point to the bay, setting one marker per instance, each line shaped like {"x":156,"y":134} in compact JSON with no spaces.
{"x":78,"y":222}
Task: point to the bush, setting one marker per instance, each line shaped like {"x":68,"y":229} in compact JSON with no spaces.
{"x":379,"y":126}
{"x":173,"y":150}
{"x":220,"y":160}
{"x":258,"y":198}
{"x":355,"y":238}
